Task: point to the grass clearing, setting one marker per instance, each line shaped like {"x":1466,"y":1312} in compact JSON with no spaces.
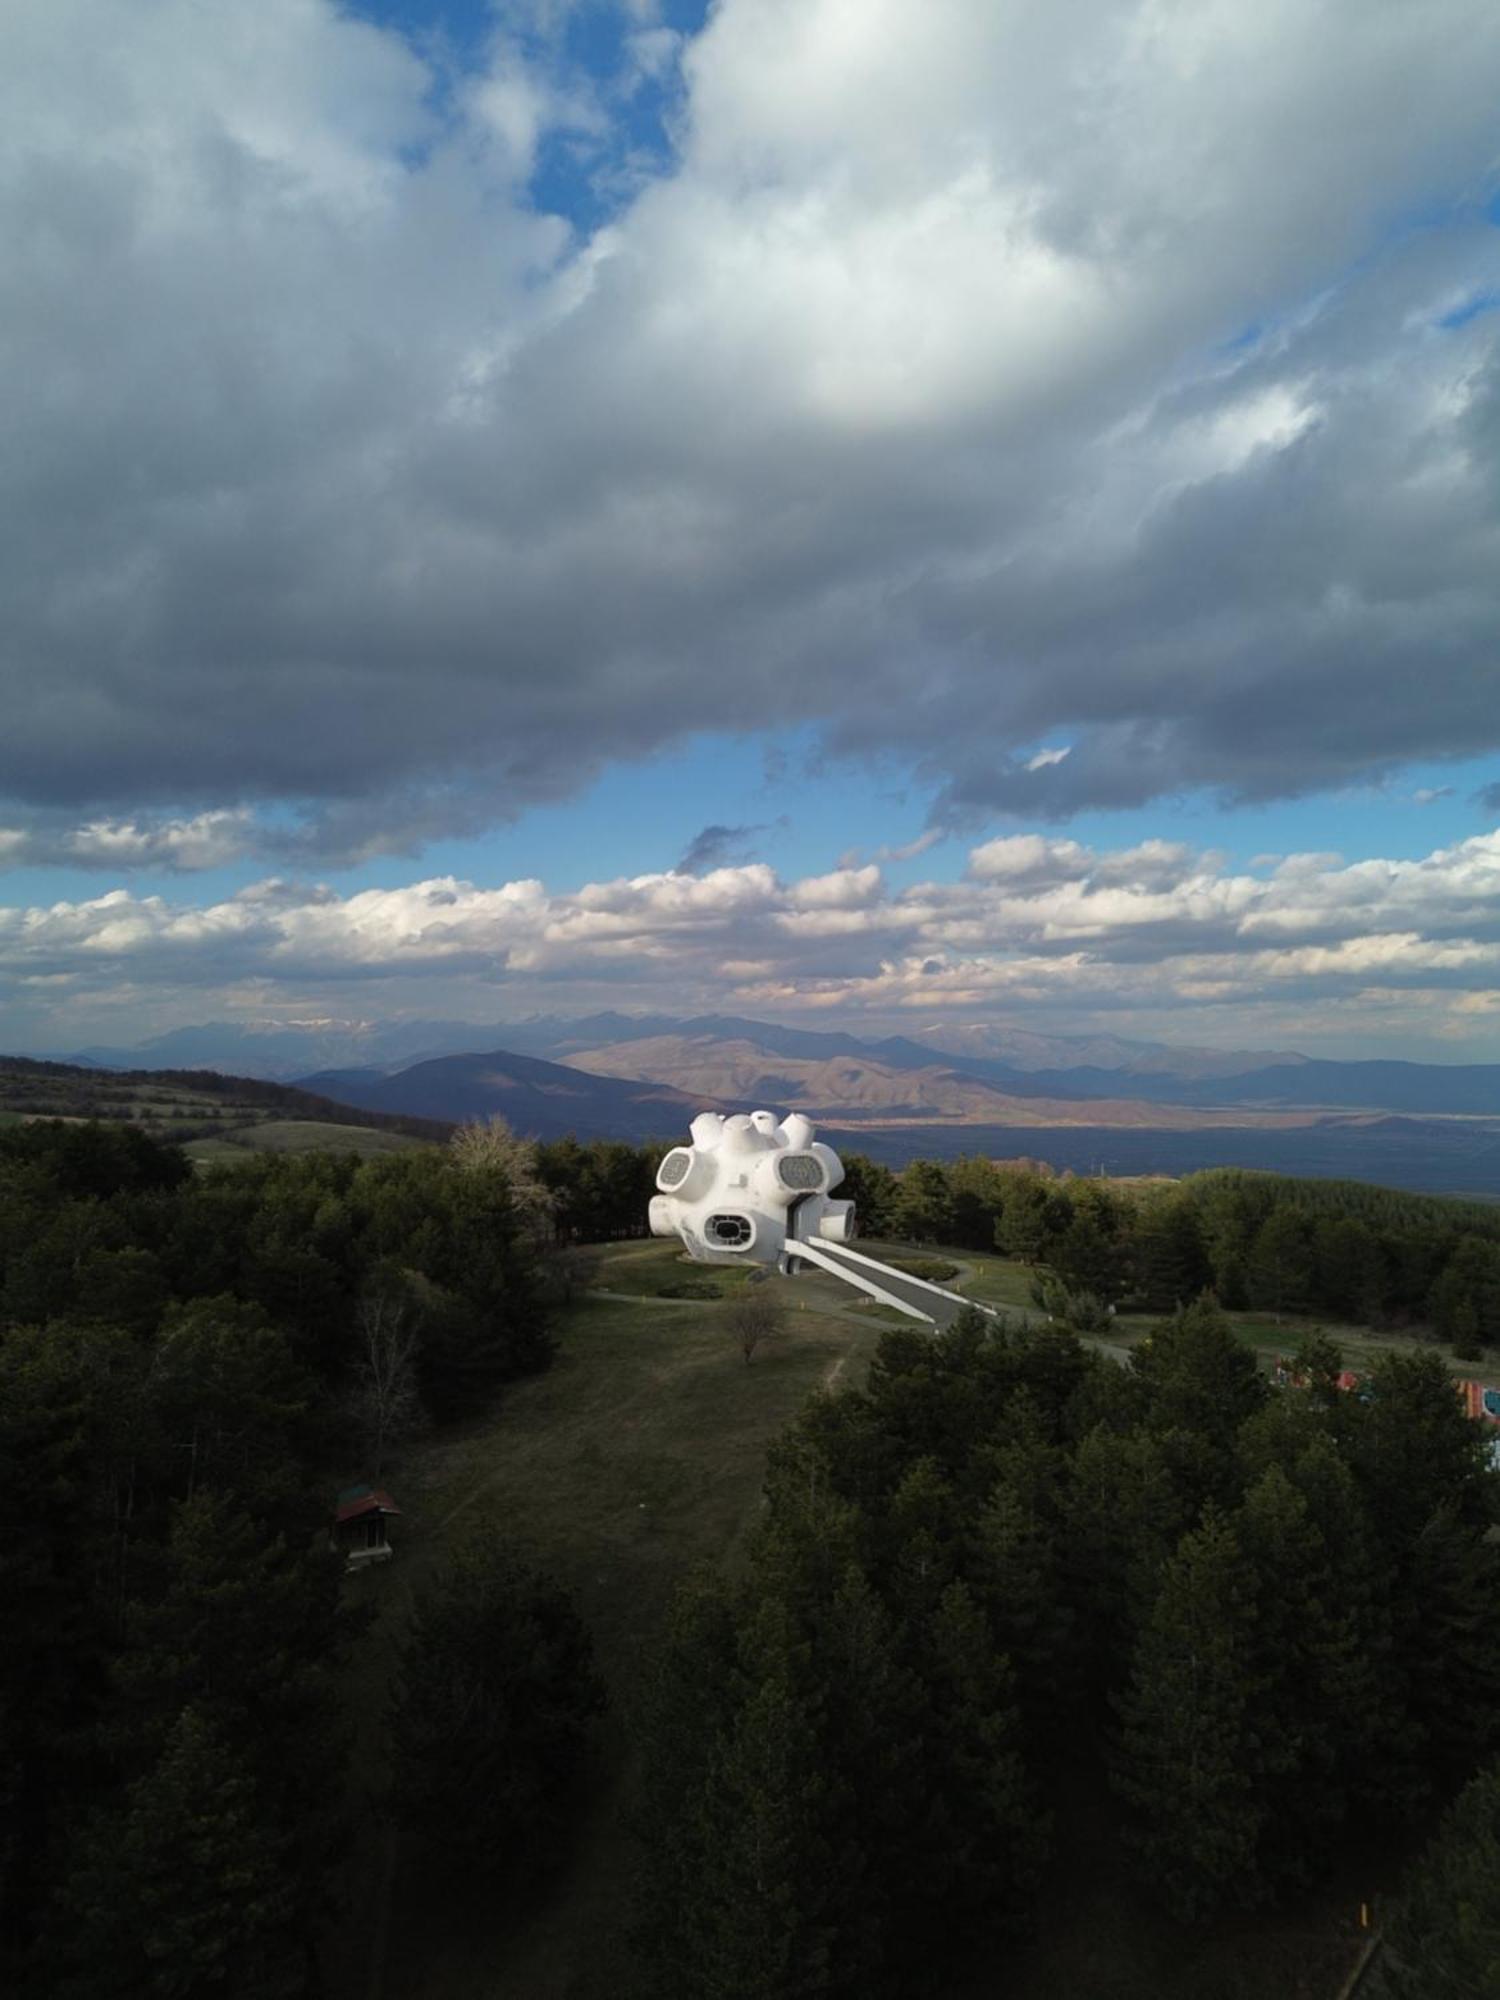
{"x":637,"y":1455}
{"x":288,"y":1135}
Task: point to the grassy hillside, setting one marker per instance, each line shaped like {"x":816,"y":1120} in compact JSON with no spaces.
{"x":308,"y":1135}
{"x":215,"y":1116}
{"x":639,"y":1455}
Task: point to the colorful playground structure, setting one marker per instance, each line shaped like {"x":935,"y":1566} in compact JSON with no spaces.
{"x":1479,"y":1399}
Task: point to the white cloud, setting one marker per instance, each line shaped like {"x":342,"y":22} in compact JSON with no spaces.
{"x":1151,"y":933}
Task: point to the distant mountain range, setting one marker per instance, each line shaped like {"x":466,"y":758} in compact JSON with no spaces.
{"x":280,"y":1048}
{"x":946,"y":1088}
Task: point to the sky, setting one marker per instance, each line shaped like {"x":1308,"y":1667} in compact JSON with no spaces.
{"x":848,"y":511}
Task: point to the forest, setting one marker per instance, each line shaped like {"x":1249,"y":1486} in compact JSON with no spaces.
{"x":1267,"y":1621}
{"x":1267,"y":1624}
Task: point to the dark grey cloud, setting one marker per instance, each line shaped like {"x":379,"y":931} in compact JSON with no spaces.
{"x":719,"y":847}
{"x":339,"y":480}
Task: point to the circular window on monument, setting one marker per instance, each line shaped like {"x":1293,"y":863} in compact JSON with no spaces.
{"x":729,"y":1232}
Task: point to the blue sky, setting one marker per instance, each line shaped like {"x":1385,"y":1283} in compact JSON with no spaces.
{"x":587,"y":440}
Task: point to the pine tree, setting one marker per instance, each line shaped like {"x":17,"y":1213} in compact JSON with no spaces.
{"x":1443,"y":1939}
{"x":491,"y":1718}
{"x":1184,"y":1763}
{"x":686,"y":1707}
{"x":1124,"y":1517}
{"x":1303,"y":1645}
{"x":1012,"y":1564}
{"x":1415,"y":1450}
{"x":1280,"y":1269}
{"x":1168,"y":1264}
{"x":1087,"y":1258}
{"x":1035,"y":1213}
{"x":923,"y":1210}
{"x":975,"y":1837}
{"x":761,"y":1931}
{"x":1348,"y":1274}
{"x":184,"y":1891}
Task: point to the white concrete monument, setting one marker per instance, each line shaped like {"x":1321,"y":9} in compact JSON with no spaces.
{"x":753,"y":1189}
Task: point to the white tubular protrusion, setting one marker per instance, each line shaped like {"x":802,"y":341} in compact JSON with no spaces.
{"x":740,"y":1137}
{"x":836,"y":1223}
{"x":707,"y":1130}
{"x":797,"y":1132}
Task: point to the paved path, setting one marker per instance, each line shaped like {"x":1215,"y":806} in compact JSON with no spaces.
{"x":924,"y":1301}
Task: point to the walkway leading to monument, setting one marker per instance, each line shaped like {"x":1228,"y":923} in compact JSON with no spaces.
{"x":915,"y":1297}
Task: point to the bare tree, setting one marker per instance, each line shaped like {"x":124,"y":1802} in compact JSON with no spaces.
{"x":754,"y":1315}
{"x":491,"y":1143}
{"x":383,"y":1402}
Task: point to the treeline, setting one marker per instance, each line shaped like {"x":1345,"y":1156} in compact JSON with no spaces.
{"x":599,"y":1189}
{"x":1261,"y":1622}
{"x":100,"y":1225}
{"x":182,"y":1361}
{"x":1262,"y":1241}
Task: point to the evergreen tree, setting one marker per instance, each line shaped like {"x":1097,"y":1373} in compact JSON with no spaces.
{"x":490,"y":1726}
{"x":236,"y":1408}
{"x":1348,"y":1276}
{"x":758,"y":1926}
{"x":923,"y":1210}
{"x":1279,"y":1269}
{"x":1035,"y":1213}
{"x":183,"y":1892}
{"x":1087,"y":1258}
{"x":1447,"y":1641}
{"x":1167,"y":1262}
{"x":872,"y":1188}
{"x":975,"y":1839}
{"x":1443,"y":1940}
{"x":1200,"y":1384}
{"x":685,"y":1709}
{"x":1185,"y":1762}
{"x":1125,"y":1514}
{"x":977,"y":1192}
{"x":248,"y":1631}
{"x":1304,"y":1668}
{"x":1465,"y":1301}
{"x":1012,"y":1564}
{"x":1415,"y":1450}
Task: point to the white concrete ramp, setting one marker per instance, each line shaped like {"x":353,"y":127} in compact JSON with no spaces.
{"x":915,"y":1297}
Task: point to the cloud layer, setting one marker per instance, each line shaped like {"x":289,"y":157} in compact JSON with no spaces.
{"x":978,"y":382}
{"x":1044,"y":930}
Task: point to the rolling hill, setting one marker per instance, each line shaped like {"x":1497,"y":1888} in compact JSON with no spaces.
{"x":213,"y":1115}
{"x":544,"y":1100}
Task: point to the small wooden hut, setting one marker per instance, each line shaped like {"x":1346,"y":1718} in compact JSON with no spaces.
{"x":359,"y":1529}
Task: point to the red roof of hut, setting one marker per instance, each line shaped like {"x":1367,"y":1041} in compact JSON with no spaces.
{"x":362,"y":1500}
